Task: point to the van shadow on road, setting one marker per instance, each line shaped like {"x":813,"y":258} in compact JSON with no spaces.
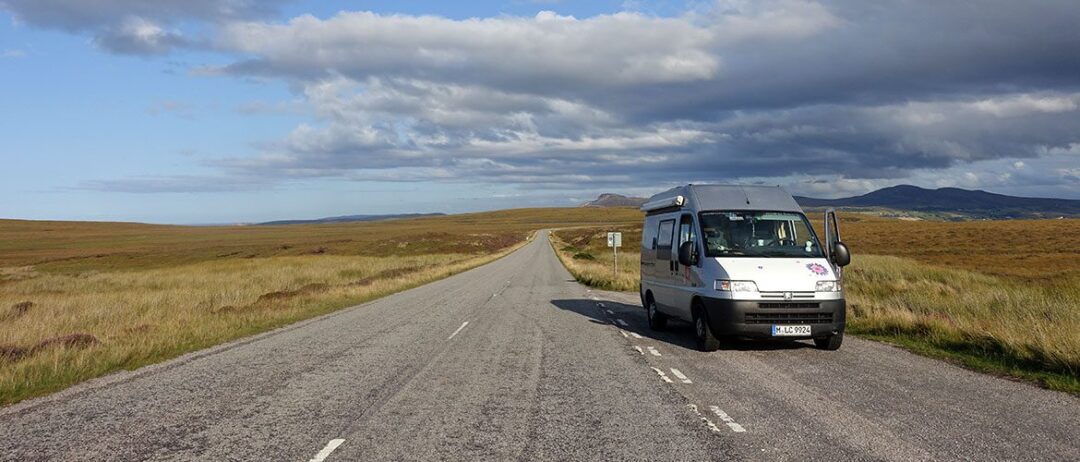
{"x":677,"y":333}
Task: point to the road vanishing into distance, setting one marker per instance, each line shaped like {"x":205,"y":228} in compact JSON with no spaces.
{"x":516,"y":361}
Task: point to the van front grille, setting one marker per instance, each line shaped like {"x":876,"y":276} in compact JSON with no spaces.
{"x":789,"y":318}
{"x":782,"y":295}
{"x":789,"y":305}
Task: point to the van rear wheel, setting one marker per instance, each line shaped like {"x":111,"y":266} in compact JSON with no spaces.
{"x":706,"y":341}
{"x":657,"y":320}
{"x":830,"y":343}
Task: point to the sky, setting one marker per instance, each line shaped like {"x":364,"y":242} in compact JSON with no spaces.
{"x":224,"y":111}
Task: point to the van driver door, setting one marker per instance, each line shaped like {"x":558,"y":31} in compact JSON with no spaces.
{"x":684,"y":278}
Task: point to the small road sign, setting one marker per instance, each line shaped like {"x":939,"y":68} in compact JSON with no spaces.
{"x":614,"y":240}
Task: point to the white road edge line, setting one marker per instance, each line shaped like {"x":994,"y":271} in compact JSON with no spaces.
{"x":621,"y":322}
{"x":735,"y":427}
{"x":636,"y":335}
{"x":458,"y":330}
{"x":330,"y":447}
{"x":662,"y":375}
{"x":654,"y":351}
{"x":623,"y":332}
{"x":638,"y":349}
{"x":601,"y":305}
{"x":680,"y":375}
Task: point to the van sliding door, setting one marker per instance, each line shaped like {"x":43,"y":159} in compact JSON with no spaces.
{"x":662,"y":291}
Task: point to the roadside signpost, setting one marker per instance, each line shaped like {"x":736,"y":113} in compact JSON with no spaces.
{"x":614,"y":240}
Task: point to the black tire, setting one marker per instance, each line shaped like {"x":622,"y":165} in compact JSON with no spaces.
{"x":657,"y":320}
{"x":830,"y":343}
{"x":706,"y":341}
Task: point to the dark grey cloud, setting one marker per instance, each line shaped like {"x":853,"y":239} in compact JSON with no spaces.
{"x":134,"y":26}
{"x":868,"y":92}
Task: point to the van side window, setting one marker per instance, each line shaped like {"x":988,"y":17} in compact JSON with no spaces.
{"x":663,"y":239}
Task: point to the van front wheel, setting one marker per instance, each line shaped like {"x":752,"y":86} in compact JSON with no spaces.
{"x":705,"y":339}
{"x":657,"y":320}
{"x":830,"y":343}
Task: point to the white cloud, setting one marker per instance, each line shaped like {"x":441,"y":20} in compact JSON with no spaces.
{"x":1024,"y":104}
{"x":623,"y":48}
{"x":12,"y":53}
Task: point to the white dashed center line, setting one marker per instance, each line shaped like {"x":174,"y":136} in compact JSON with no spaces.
{"x":458,"y":330}
{"x":735,"y":427}
{"x":610,"y":312}
{"x":636,"y":335}
{"x":330,"y":447}
{"x":662,"y":375}
{"x":621,"y":322}
{"x":680,"y":375}
{"x":653,"y":351}
{"x":708,"y":423}
{"x":623,"y":332}
{"x":638,"y":349}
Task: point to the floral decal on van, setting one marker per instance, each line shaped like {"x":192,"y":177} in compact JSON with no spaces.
{"x":817,"y":269}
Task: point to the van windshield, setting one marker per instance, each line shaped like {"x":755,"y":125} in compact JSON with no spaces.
{"x":758,"y":234}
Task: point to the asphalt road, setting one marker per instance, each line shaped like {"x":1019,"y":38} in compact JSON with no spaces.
{"x":515,"y":361}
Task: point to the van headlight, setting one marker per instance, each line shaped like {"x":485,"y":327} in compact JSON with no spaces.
{"x":828,"y":286}
{"x":725,"y":285}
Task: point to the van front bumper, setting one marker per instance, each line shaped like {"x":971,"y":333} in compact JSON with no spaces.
{"x":755,"y":318}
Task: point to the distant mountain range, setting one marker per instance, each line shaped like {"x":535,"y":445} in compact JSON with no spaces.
{"x":615,"y":200}
{"x":352,"y":218}
{"x":953,"y":200}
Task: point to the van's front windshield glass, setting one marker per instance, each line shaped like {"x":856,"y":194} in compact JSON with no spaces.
{"x":758,"y":234}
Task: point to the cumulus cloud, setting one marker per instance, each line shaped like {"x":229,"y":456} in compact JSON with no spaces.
{"x":546,"y":50}
{"x":860,"y":94}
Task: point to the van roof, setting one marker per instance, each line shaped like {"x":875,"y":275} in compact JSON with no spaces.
{"x":700,"y":197}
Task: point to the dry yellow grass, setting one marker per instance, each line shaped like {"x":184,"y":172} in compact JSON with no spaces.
{"x":997,"y":323}
{"x":142,"y":317}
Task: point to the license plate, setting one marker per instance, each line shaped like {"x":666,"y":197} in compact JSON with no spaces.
{"x":790,"y":331}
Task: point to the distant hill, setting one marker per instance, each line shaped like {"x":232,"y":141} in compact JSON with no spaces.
{"x":976,"y":203}
{"x":352,"y":218}
{"x":615,"y":200}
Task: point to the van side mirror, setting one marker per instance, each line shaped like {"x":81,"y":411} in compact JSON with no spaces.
{"x":687,"y":254}
{"x":840,"y":254}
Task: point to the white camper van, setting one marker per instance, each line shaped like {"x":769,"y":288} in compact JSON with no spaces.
{"x":741,"y":261}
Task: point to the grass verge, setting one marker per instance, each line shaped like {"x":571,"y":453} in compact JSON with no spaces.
{"x":581,"y":253}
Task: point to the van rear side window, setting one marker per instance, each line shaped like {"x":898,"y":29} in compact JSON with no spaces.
{"x":663,"y":239}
